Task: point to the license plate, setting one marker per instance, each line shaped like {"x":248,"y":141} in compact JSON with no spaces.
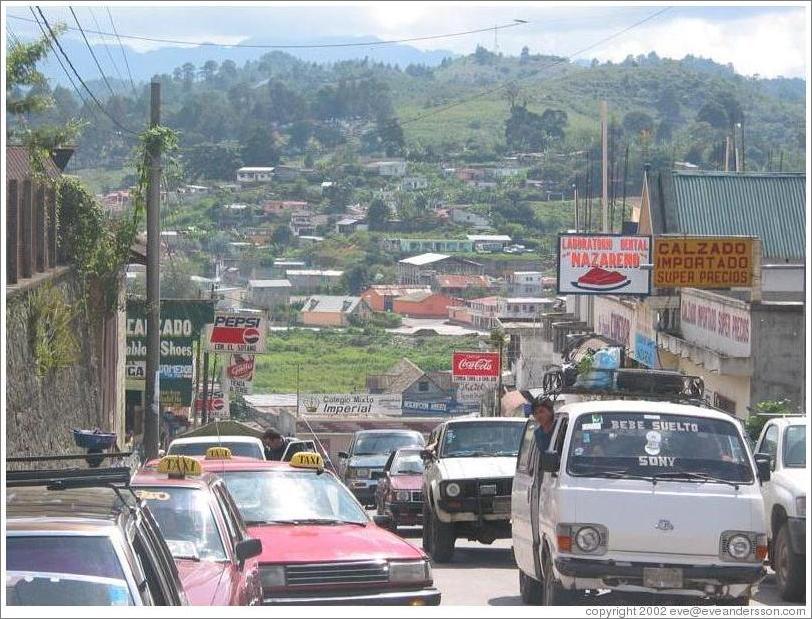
{"x":662,"y":577}
{"x":501,"y":504}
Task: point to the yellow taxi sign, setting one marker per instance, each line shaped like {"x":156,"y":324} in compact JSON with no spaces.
{"x":179,"y":466}
{"x":307,"y":460}
{"x":218,"y":453}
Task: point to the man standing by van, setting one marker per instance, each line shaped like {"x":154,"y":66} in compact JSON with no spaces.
{"x":545,"y":418}
{"x":275,"y":445}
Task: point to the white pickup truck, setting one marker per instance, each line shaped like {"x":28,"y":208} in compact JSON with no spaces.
{"x":783,"y":440}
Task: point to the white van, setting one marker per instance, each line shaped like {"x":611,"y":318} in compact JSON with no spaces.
{"x":247,"y":446}
{"x":639,"y":496}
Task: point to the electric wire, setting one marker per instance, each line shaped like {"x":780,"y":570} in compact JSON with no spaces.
{"x":106,"y":46}
{"x":123,"y":53}
{"x":92,"y":53}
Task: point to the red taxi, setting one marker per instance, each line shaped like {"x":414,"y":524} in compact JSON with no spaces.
{"x":319,"y":545}
{"x":215,"y":556}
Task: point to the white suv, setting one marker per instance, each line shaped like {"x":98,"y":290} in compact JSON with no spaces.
{"x":469,"y":465}
{"x":638,"y":496}
{"x":783,"y":440}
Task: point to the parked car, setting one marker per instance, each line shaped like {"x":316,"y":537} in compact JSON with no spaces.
{"x":783,"y":443}
{"x":639,"y":495}
{"x":80,"y":537}
{"x":467,"y":482}
{"x":248,"y":446}
{"x":362,"y":465}
{"x":319,"y":544}
{"x":400,"y":491}
{"x":198,"y":519}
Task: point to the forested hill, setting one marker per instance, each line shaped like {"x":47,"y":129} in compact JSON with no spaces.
{"x":471,"y":108}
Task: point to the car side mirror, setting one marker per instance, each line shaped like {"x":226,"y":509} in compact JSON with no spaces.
{"x":384,"y":521}
{"x":763,"y":466}
{"x":247,"y":549}
{"x":550,"y":461}
{"x":343,"y":455}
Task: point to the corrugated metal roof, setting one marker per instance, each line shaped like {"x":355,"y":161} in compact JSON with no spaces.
{"x":424,"y":259}
{"x":18,"y":164}
{"x":769,"y":206}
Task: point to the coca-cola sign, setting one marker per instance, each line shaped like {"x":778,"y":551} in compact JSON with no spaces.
{"x":475,"y":366}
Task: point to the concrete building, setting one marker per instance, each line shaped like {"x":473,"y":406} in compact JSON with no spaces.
{"x":333,"y":311}
{"x":349,"y":225}
{"x":395,"y":167}
{"x":424,"y":305}
{"x":489,"y":242}
{"x":523,"y":308}
{"x":462,"y":215}
{"x":423,"y":393}
{"x":269,"y":293}
{"x":456,"y":285}
{"x":422,"y":269}
{"x":249,"y":175}
{"x":482,"y":313}
{"x":524,"y":284}
{"x":409,"y":246}
{"x":381,"y":298}
{"x":312,"y":280}
{"x":414,"y":183}
{"x":278,"y":207}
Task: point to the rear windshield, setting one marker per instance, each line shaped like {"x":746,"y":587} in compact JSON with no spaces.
{"x":248,"y":450}
{"x":407,"y":463}
{"x":63,"y":571}
{"x":678,"y":446}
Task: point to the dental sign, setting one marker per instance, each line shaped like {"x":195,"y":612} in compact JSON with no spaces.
{"x":604,"y":264}
{"x":703,"y":262}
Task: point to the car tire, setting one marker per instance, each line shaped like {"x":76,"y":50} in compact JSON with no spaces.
{"x":790,"y":568}
{"x":553,"y":593}
{"x":438,"y":538}
{"x":531,"y":590}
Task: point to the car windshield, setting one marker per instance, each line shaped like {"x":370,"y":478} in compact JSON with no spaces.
{"x":186,"y":521}
{"x":265,"y":497}
{"x":481,"y":439}
{"x":64,"y":570}
{"x":248,"y":450}
{"x":408,"y":463}
{"x":795,"y":447}
{"x":369,"y":444}
{"x":665,"y":446}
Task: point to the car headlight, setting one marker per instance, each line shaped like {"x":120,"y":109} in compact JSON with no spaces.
{"x":742,"y":546}
{"x":402,"y":496}
{"x":453,"y":489}
{"x":589,"y":539}
{"x":404,"y":572}
{"x":273,"y":576}
{"x":800,"y":506}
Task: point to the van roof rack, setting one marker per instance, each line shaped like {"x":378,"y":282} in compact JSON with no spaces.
{"x":63,"y":479}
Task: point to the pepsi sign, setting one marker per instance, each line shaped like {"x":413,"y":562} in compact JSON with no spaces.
{"x":238,"y":333}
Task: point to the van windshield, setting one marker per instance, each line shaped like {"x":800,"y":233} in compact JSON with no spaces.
{"x":678,"y":447}
{"x":247,"y":450}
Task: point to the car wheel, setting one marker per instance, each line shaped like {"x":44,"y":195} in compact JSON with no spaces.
{"x":789,"y":568}
{"x":554,"y":594}
{"x":531,"y":590}
{"x":441,"y":540}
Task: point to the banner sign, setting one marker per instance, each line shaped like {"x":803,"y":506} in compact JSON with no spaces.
{"x":235,"y":332}
{"x":181,"y":325}
{"x":475,"y":367}
{"x":703,"y":262}
{"x":217,"y":403}
{"x":604,"y":264}
{"x":350,"y":404}
{"x":470,"y":393}
{"x":240,"y":374}
{"x":723,"y":327}
{"x":441,"y":406}
{"x":645,"y":350}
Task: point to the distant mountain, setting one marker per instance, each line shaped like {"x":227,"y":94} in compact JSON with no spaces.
{"x":143,"y":65}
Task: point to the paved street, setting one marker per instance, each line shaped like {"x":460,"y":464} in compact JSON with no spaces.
{"x":493,"y":567}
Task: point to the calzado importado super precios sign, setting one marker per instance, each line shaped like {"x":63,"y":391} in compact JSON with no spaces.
{"x":703,"y":262}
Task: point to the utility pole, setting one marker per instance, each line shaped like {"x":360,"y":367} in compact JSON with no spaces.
{"x":575,"y":199}
{"x":727,"y":153}
{"x":204,"y":413}
{"x":604,"y":167}
{"x":744,"y":168}
{"x":152,"y":395}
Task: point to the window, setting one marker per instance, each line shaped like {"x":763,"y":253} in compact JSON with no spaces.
{"x":560,"y":435}
{"x":423,"y":386}
{"x":726,"y":404}
{"x":770,"y":443}
{"x":526,"y":449}
{"x":151,"y":577}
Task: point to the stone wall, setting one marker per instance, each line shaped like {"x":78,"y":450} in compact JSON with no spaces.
{"x":42,"y":411}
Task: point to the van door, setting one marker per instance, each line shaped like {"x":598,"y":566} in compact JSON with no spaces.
{"x":547,"y":501}
{"x":535,"y":491}
{"x":520,"y":502}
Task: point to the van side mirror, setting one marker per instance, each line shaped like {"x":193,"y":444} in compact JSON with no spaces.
{"x":763,"y":466}
{"x":247,"y":549}
{"x":343,"y":455}
{"x":550,"y":461}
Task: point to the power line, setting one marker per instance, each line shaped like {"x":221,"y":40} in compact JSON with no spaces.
{"x":448,"y":35}
{"x":92,"y":53}
{"x":106,"y":46}
{"x":79,"y":77}
{"x":124,"y":55}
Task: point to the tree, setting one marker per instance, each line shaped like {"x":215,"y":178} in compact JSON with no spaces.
{"x":636,"y":122}
{"x":176,"y":282}
{"x":524,"y":57}
{"x":377,"y":215}
{"x":188,"y":73}
{"x":216,"y":161}
{"x":228,"y":71}
{"x":483,"y":56}
{"x":553,"y":123}
{"x":208,"y":70}
{"x":356,"y":278}
{"x":281,"y":235}
{"x":260,"y":148}
{"x":714,"y":114}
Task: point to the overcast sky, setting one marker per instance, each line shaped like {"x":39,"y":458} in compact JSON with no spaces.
{"x":768,"y":40}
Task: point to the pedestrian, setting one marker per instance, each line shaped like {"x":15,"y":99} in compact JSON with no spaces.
{"x":274,"y":443}
{"x":543,"y":413}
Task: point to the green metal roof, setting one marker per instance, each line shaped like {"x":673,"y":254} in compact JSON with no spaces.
{"x":769,"y":206}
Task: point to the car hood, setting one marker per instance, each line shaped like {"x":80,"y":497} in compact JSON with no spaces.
{"x":372,"y":461}
{"x":201,"y":580}
{"x":477,"y":468}
{"x":321,"y":543}
{"x":796,"y":481}
{"x":406,"y":482}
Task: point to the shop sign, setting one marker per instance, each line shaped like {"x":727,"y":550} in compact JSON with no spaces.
{"x":721,"y":327}
{"x":604,"y":264}
{"x":237,"y":332}
{"x":614,"y":320}
{"x":703,"y":262}
{"x":645,"y":350}
{"x":350,"y":404}
{"x":426,"y":407}
{"x":475,"y":367}
{"x":240,"y":374}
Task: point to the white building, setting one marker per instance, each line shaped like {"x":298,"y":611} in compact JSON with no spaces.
{"x":489,"y":242}
{"x":413,"y":183}
{"x":524,"y":284}
{"x":255,"y":175}
{"x":395,"y":167}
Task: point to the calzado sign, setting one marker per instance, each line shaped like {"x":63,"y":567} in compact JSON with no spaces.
{"x":703,"y":262}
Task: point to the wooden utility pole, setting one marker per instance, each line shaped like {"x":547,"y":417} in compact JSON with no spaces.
{"x":727,"y":153}
{"x":604,"y":167}
{"x":575,"y":199}
{"x":152,"y":395}
{"x":204,"y":412}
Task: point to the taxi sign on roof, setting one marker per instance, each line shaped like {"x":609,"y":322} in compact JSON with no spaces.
{"x":179,"y":466}
{"x":307,"y":460}
{"x":218,"y":453}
